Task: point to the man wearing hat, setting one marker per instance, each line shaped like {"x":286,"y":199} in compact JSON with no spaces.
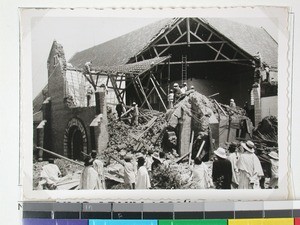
{"x":129,"y":172}
{"x":221,"y":171}
{"x":184,"y":88}
{"x":99,"y":167}
{"x":250,"y":170}
{"x":177,"y":92}
{"x":171,"y":99}
{"x":149,"y":160}
{"x":274,"y":168}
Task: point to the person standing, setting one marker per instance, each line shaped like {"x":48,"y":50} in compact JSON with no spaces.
{"x":89,"y":179}
{"x":149,"y":161}
{"x":222,"y":171}
{"x":135,"y":114}
{"x":200,"y":178}
{"x":233,"y":157}
{"x":142,"y":178}
{"x":119,"y":109}
{"x":274,"y":168}
{"x":177,"y":92}
{"x":184,"y":88}
{"x":250,"y":170}
{"x":232,"y":104}
{"x":99,"y":167}
{"x":171,"y":99}
{"x":265,"y":164}
{"x":129,"y":173}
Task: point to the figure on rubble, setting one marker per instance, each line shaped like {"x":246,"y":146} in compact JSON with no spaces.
{"x":232,"y":104}
{"x":99,"y":167}
{"x":222,"y":172}
{"x":89,"y":94}
{"x":149,"y":161}
{"x":135,"y":114}
{"x":184,"y":88}
{"x":171,"y":99}
{"x":87,"y":67}
{"x":119,"y":109}
{"x":177,"y":92}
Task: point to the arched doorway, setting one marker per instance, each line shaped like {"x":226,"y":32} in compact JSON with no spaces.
{"x":75,"y":140}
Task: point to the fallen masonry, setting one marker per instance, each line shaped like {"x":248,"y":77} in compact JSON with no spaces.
{"x":195,"y":126}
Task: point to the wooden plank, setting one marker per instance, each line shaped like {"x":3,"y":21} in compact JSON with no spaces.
{"x":147,"y":96}
{"x":212,"y":61}
{"x":219,"y":51}
{"x":188,"y":31}
{"x":191,"y":148}
{"x":200,"y":149}
{"x":220,"y":107}
{"x":143,"y":93}
{"x":172,"y":43}
{"x":191,"y":43}
{"x":162,"y":101}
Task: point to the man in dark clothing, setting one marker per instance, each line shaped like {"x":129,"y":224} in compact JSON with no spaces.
{"x":119,"y":109}
{"x":222,"y":171}
{"x":265,"y":164}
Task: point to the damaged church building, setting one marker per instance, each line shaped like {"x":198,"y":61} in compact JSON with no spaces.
{"x":220,"y":58}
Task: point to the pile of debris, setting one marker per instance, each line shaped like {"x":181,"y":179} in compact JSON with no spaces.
{"x":266,"y":132}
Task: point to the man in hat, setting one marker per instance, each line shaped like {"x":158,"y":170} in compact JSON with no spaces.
{"x":177,"y":92}
{"x":171,"y":99}
{"x":232,"y":104}
{"x":184,"y":88}
{"x":221,"y":171}
{"x":89,"y":179}
{"x":265,"y":164}
{"x":274,"y":168}
{"x":99,"y":167}
{"x":50,"y":175}
{"x":250,"y":170}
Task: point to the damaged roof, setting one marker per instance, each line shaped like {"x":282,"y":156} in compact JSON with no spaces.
{"x":120,"y":50}
{"x":249,"y":38}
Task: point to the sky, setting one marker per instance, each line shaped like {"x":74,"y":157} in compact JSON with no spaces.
{"x":78,"y":33}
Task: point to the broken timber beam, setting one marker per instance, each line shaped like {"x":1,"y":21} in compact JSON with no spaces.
{"x":162,"y":101}
{"x":60,"y":156}
{"x":220,"y":107}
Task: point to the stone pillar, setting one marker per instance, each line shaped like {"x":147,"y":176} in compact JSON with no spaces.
{"x":185,"y":123}
{"x":101,"y":109}
{"x":257,"y":103}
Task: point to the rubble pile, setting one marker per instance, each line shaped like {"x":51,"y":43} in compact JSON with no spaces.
{"x":267,"y":132}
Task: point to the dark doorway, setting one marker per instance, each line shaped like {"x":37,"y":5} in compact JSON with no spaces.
{"x":75,"y":144}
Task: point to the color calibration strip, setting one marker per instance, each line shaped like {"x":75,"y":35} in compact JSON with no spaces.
{"x":203,"y":213}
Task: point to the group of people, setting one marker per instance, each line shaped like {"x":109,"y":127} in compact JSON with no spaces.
{"x":177,"y":92}
{"x":244,"y":167}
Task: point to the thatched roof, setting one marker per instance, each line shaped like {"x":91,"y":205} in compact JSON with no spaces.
{"x":118,"y":51}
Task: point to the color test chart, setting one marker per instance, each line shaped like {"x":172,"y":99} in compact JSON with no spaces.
{"x":205,"y":213}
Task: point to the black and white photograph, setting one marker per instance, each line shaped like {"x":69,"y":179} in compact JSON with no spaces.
{"x":155,"y":103}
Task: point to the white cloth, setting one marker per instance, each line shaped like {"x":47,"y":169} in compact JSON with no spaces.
{"x":142,"y":178}
{"x":99,"y":167}
{"x":274,"y":177}
{"x":89,"y":179}
{"x":183,"y":89}
{"x":50,"y":173}
{"x":148,"y":162}
{"x":129,"y":173}
{"x":233,"y":158}
{"x":250,"y":170}
{"x":200,"y":177}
